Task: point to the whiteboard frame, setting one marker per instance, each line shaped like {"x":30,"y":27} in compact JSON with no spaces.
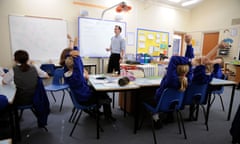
{"x":104,"y":53}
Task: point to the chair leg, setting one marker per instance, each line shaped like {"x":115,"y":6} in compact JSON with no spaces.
{"x":34,"y":112}
{"x":141,"y":123}
{"x":197,"y":111}
{"x":73,"y":111}
{"x":221,"y":102}
{"x":113,"y":100}
{"x":75,"y":115}
{"x":11,"y":119}
{"x":62,"y":101}
{"x":53,"y":96}
{"x":205,"y":115}
{"x":181,"y":119}
{"x":21,"y":113}
{"x":75,"y":124}
{"x":178,"y":121}
{"x":153,"y":132}
{"x":213,"y":99}
{"x":191,"y":112}
{"x":17,"y":125}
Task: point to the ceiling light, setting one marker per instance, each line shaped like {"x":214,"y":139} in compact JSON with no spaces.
{"x":187,"y":3}
{"x":176,"y":1}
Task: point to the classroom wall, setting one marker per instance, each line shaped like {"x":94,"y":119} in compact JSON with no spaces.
{"x":147,"y":15}
{"x":142,"y":15}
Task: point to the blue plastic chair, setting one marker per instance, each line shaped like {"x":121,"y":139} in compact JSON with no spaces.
{"x":219,"y":91}
{"x":170,"y":101}
{"x":78,"y":107}
{"x":195,"y":95}
{"x":48,"y":68}
{"x":58,"y":84}
{"x":3,"y":102}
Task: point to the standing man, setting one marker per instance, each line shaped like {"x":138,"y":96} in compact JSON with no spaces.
{"x":117,"y":48}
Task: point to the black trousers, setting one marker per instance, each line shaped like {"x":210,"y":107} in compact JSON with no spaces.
{"x":113,"y":64}
{"x":104,"y":101}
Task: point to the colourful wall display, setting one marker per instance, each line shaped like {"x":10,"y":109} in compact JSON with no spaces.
{"x":152,"y":42}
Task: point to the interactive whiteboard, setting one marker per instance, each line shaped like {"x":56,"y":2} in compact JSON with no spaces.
{"x":42,"y":38}
{"x":95,"y":36}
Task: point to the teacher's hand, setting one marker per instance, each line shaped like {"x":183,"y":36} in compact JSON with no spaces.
{"x":108,"y":49}
{"x":120,"y":60}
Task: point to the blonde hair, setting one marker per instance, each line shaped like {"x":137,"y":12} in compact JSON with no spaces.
{"x":209,"y":68}
{"x":69,"y":63}
{"x":182,"y":70}
{"x":222,"y":63}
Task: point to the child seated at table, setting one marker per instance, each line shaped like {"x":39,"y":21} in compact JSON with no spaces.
{"x":74,"y":76}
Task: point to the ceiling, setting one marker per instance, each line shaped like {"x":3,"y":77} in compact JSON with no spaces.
{"x":178,"y":5}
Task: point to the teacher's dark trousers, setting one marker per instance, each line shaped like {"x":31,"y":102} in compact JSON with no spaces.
{"x":113,"y":64}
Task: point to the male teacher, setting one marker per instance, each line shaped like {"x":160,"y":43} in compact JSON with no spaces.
{"x":117,"y":48}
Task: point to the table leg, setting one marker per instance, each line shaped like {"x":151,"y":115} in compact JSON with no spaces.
{"x":208,"y":108}
{"x":231,"y":103}
{"x":125,"y":103}
{"x":113,"y":99}
{"x":136,"y":112}
{"x":98,"y":125}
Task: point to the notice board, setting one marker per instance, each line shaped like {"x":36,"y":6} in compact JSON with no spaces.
{"x":152,"y":42}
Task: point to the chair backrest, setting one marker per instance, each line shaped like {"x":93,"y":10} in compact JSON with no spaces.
{"x":3,"y":102}
{"x":48,"y":68}
{"x":219,"y":89}
{"x":171,"y":99}
{"x":76,"y":103}
{"x":73,"y":98}
{"x":195,"y":93}
{"x":58,"y":77}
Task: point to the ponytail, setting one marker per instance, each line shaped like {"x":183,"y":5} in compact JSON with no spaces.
{"x":182,"y":70}
{"x":24,"y":67}
{"x":183,"y":83}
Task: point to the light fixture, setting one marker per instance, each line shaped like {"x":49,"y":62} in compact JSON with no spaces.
{"x":118,"y":17}
{"x":187,"y":3}
{"x":122,"y":6}
{"x":175,"y":1}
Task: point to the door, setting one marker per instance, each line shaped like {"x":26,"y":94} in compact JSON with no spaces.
{"x":177,"y":42}
{"x":210,"y":40}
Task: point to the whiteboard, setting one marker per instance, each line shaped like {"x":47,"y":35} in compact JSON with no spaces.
{"x":43,"y":38}
{"x":95,"y":36}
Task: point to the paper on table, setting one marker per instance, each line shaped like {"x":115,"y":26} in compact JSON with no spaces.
{"x":111,"y":84}
{"x":96,"y":81}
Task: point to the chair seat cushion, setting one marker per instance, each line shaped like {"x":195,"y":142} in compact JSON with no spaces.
{"x":56,"y":87}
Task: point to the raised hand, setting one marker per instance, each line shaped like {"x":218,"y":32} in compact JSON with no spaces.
{"x":188,"y":39}
{"x":69,"y":37}
{"x":74,"y":53}
{"x":223,"y":45}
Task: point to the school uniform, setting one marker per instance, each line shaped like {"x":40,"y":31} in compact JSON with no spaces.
{"x":200,"y":76}
{"x":171,"y":80}
{"x":83,"y":92}
{"x":217,"y":71}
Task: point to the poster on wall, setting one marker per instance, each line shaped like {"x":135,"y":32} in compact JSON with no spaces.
{"x":151,"y":42}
